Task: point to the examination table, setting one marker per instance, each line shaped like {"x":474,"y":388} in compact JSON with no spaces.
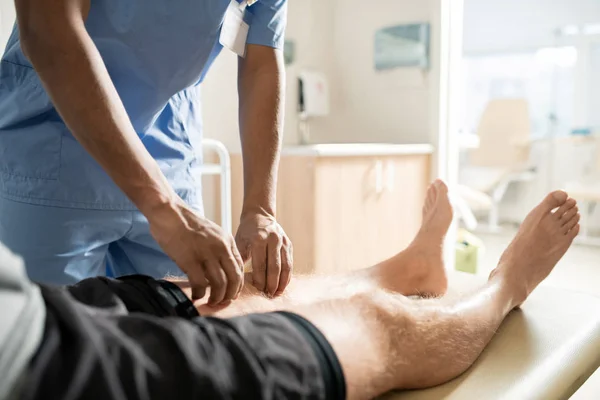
{"x":544,"y":351}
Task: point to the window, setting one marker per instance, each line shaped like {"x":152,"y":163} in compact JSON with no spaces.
{"x":545,"y":78}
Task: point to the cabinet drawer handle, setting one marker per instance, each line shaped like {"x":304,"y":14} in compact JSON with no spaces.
{"x":391,"y":176}
{"x":379,"y":177}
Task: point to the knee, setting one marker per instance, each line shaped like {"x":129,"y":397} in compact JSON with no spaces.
{"x":392,"y":314}
{"x":392,"y":308}
{"x":412,"y":335}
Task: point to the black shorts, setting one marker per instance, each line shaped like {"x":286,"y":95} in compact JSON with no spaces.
{"x":126,"y":339}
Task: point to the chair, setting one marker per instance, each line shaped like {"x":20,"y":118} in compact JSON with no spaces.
{"x":500,"y":159}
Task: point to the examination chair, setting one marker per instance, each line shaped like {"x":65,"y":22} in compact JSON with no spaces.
{"x":500,"y":159}
{"x":544,"y":351}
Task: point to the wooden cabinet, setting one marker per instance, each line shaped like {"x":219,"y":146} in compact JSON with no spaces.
{"x":345,"y":211}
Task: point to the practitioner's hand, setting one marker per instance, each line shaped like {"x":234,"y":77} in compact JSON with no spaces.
{"x":204,"y":251}
{"x":263,"y":240}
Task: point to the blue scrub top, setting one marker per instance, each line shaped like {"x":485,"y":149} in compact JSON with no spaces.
{"x":157,"y":53}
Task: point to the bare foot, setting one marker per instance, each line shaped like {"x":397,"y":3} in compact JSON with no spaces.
{"x":419,"y":270}
{"x":543,"y":239}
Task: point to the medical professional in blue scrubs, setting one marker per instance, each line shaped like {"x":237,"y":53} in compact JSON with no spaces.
{"x":100,"y":134}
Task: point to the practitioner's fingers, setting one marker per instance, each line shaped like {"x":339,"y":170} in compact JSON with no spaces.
{"x":259,"y":265}
{"x":218,"y":281}
{"x":274,"y":245}
{"x":287,"y":265}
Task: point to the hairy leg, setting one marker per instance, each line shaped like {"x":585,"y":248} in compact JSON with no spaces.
{"x":386,"y":341}
{"x":417,"y":270}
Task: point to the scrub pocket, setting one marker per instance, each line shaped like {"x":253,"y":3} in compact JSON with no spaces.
{"x":30,"y":129}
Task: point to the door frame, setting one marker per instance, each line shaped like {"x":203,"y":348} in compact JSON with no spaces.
{"x":445,"y":135}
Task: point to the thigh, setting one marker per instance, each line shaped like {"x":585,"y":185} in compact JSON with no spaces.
{"x":60,"y":245}
{"x":138,"y":253}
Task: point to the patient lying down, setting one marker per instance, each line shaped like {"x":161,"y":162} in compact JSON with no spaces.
{"x":355,"y":335}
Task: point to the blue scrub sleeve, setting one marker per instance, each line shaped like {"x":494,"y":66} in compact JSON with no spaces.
{"x":269,"y":19}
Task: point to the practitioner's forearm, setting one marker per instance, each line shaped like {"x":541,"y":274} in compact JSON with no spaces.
{"x":261,"y":87}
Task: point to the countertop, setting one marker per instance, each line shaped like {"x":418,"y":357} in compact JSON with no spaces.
{"x":357,"y":149}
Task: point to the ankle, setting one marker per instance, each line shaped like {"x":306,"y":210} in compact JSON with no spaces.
{"x":513,"y":291}
{"x":410,"y":263}
{"x":420,"y":247}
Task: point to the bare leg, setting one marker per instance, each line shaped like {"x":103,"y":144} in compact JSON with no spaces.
{"x":417,"y":270}
{"x":419,"y":344}
{"x":386,"y":341}
{"x":538,"y":242}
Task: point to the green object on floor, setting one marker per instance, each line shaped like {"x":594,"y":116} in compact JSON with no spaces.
{"x":468,"y":249}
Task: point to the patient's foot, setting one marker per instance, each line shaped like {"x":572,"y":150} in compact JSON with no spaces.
{"x":419,"y":270}
{"x":544,"y":237}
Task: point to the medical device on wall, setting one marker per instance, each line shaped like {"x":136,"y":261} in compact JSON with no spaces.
{"x":313,"y":100}
{"x":402,"y":46}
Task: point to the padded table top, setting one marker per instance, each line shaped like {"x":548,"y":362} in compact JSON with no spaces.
{"x":544,"y":351}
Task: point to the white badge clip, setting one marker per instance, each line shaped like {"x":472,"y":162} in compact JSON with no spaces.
{"x":234,"y":31}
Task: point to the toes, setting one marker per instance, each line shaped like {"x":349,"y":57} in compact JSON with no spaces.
{"x":568,"y":215}
{"x":572,"y":234}
{"x":431,"y":195}
{"x":441,"y":186}
{"x":436,"y":191}
{"x":554,"y":200}
{"x":571,"y":223}
{"x":568,"y":206}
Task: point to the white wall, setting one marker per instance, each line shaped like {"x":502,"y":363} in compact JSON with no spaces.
{"x":512,"y":25}
{"x":396,"y":106}
{"x":337,"y":37}
{"x":7,"y":19}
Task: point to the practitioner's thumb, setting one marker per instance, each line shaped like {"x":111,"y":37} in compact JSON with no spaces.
{"x":243,"y":248}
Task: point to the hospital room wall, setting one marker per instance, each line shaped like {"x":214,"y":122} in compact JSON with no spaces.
{"x":396,"y":106}
{"x":7,"y":19}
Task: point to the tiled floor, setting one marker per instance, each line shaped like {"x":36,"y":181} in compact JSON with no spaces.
{"x":579,"y":270}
